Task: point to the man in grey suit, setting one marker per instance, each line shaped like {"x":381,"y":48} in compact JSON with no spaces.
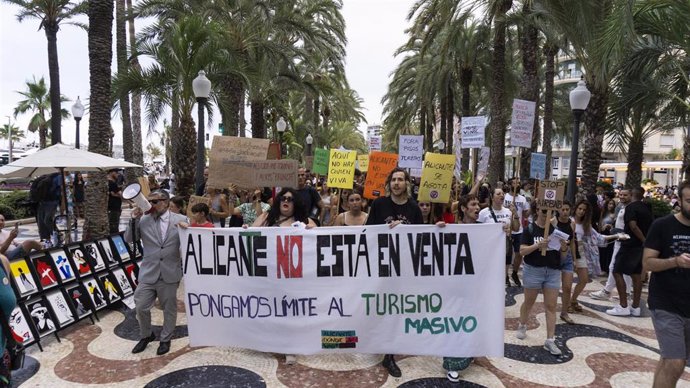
{"x":160,"y":270}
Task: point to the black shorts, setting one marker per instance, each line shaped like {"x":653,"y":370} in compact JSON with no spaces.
{"x":629,"y":261}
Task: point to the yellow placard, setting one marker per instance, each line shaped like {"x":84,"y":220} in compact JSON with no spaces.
{"x":363,"y":161}
{"x":437,"y":178}
{"x":341,"y":169}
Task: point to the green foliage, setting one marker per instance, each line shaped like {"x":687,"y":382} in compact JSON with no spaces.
{"x":660,"y":207}
{"x":605,"y":185}
{"x":649,"y":181}
{"x":11,"y":205}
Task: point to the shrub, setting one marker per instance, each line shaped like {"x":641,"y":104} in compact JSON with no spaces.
{"x":13,"y":205}
{"x":660,"y":207}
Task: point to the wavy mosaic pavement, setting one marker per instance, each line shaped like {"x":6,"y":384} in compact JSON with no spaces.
{"x":599,"y":351}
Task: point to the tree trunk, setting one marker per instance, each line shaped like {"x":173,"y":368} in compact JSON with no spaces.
{"x":499,"y":120}
{"x":550,"y":52}
{"x":635,"y":155}
{"x":444,"y":129}
{"x":326,"y":117}
{"x":258,"y":120}
{"x":450,"y":116}
{"x":51,"y":30}
{"x":184,"y":154}
{"x":309,"y":113}
{"x":231,"y":116}
{"x":317,"y":113}
{"x":685,"y":172}
{"x":529,"y":85}
{"x":422,"y":122}
{"x":595,"y":118}
{"x":100,"y":39}
{"x":429,"y":131}
{"x":174,"y":129}
{"x":243,"y":121}
{"x":122,"y":68}
{"x":465,"y":83}
{"x":137,"y":149}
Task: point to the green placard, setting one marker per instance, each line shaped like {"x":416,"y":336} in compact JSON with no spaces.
{"x":320,"y":165}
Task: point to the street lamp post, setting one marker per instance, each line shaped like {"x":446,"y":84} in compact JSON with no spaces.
{"x":579,"y":99}
{"x":281,"y":125}
{"x":202,"y":88}
{"x":78,"y":113}
{"x":310,"y":141}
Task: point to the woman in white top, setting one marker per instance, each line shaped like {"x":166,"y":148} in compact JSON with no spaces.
{"x":355,"y":216}
{"x":496,"y":213}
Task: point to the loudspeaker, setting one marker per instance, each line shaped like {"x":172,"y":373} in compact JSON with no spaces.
{"x":133,"y":193}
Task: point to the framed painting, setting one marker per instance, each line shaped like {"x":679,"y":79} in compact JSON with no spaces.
{"x":63,"y":265}
{"x":93,"y":253}
{"x":120,"y":247}
{"x":78,"y":296}
{"x":111,"y":289}
{"x":45,"y":270}
{"x":22,"y":277}
{"x":79,"y":259}
{"x":20,"y":326}
{"x":123,"y":282}
{"x":61,"y":308}
{"x":132,"y":271}
{"x":95,"y":292}
{"x":107,"y":252}
{"x":41,"y":317}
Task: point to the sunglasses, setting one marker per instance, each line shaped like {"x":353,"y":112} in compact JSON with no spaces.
{"x":286,"y":199}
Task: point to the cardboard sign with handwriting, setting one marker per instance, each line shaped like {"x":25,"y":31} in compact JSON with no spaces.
{"x":193,"y":200}
{"x":320,"y":164}
{"x":380,"y":165}
{"x":363,"y":162}
{"x":437,"y":178}
{"x":550,"y":194}
{"x":228,"y":149}
{"x":341,"y":169}
{"x":258,"y":173}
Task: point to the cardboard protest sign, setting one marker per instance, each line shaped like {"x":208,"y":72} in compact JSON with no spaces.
{"x":273,"y":151}
{"x":411,"y":151}
{"x":437,"y":178}
{"x":193,"y":200}
{"x":320,"y":165}
{"x":226,"y":149}
{"x":316,"y":291}
{"x":550,"y":194}
{"x":522,"y":123}
{"x":363,"y":162}
{"x":375,"y":143}
{"x":256,"y":173}
{"x":537,"y":166}
{"x":341,"y":169}
{"x":483,"y":165}
{"x":472,"y":131}
{"x":380,"y":165}
{"x":144,"y":183}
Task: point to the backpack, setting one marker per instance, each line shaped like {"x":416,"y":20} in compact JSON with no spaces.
{"x":41,"y":188}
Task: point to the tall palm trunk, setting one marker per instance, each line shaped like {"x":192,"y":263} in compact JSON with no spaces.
{"x":122,"y":68}
{"x":450,"y":118}
{"x":317,"y":113}
{"x":444,"y":129}
{"x":465,"y":83}
{"x":499,"y":118}
{"x":231,"y":115}
{"x":529,"y":86}
{"x":243,"y":121}
{"x":184,"y":154}
{"x":326,"y":117}
{"x":635,"y":156}
{"x":258,"y":120}
{"x":595,"y":118}
{"x":138,"y":152}
{"x":100,"y":57}
{"x":429,"y":129}
{"x":550,"y":52}
{"x":51,"y":30}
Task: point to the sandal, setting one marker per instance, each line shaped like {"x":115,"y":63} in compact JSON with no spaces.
{"x":567,"y":319}
{"x":576,"y":307}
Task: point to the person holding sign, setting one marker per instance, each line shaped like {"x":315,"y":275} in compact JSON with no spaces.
{"x":541,"y":272}
{"x":519,"y":202}
{"x":396,"y":208}
{"x":497,"y":213}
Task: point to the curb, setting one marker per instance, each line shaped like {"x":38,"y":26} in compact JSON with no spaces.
{"x":23,"y":221}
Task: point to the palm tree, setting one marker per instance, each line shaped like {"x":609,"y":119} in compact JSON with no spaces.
{"x":123,"y":97}
{"x":100,"y":58}
{"x":154,"y":151}
{"x":38,"y":101}
{"x":138,"y":153}
{"x":8,"y":128}
{"x":51,"y":13}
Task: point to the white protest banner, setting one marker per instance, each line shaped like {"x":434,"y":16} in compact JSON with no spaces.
{"x":411,"y":152}
{"x":522,"y":123}
{"x":483,"y":160}
{"x":347,"y":289}
{"x":375,"y":143}
{"x":472,"y":131}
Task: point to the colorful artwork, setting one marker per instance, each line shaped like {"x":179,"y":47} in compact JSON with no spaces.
{"x":60,"y":307}
{"x":107,"y":252}
{"x":110,"y":290}
{"x":21,"y":275}
{"x":20,"y":327}
{"x":77,"y":294}
{"x":121,"y":247}
{"x":45,"y":271}
{"x":40,"y":315}
{"x":93,"y":252}
{"x":79,"y":258}
{"x":95,"y":292}
{"x":64,"y":268}
{"x":133,"y":273}
{"x":123,"y":282}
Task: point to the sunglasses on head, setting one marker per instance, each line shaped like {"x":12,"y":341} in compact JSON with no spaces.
{"x":285,"y":199}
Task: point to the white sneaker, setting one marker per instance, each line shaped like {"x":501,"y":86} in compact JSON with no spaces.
{"x":619,"y":311}
{"x":453,"y":376}
{"x":521,"y":331}
{"x":551,"y":347}
{"x":600,"y":295}
{"x":635,"y":311}
{"x":290,"y":359}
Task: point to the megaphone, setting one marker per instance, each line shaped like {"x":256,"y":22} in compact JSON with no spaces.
{"x":133,"y":193}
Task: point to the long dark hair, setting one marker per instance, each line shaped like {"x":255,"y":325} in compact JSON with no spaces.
{"x":587,"y":218}
{"x":300,"y":211}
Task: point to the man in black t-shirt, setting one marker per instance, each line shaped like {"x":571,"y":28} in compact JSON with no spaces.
{"x":638,"y":218}
{"x":667,"y":256}
{"x":310,"y":197}
{"x":394,"y":209}
{"x":114,"y":202}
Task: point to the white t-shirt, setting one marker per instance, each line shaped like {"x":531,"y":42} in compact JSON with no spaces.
{"x":520,"y":205}
{"x":620,"y":223}
{"x":502,"y":216}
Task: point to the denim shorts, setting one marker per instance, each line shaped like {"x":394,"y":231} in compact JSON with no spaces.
{"x":567,"y":263}
{"x":517,"y":239}
{"x":673,"y":334}
{"x":538,"y":278}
